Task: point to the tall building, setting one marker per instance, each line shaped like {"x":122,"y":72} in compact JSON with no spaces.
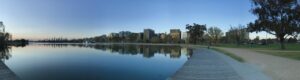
{"x":148,"y":34}
{"x":140,"y":37}
{"x":185,"y":36}
{"x":124,"y":33}
{"x":175,"y":35}
{"x":162,"y":36}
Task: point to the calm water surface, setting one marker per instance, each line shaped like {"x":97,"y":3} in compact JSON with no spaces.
{"x":95,"y":62}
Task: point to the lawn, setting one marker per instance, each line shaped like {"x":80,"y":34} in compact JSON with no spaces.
{"x":292,"y":51}
{"x":287,"y":54}
{"x":229,"y":54}
{"x":289,"y":46}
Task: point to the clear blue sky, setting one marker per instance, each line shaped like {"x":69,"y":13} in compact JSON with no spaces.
{"x":36,"y":19}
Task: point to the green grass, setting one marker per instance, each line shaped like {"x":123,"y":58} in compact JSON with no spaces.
{"x":229,"y":54}
{"x":289,"y":46}
{"x":287,"y":54}
{"x":292,"y":51}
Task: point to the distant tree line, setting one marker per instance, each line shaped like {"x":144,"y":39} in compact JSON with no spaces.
{"x":63,"y":40}
{"x":200,"y":34}
{"x":6,"y":38}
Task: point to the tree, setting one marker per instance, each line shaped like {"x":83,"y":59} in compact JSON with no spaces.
{"x":132,"y":37}
{"x":4,"y":36}
{"x":292,"y":40}
{"x":155,"y":40}
{"x":214,"y":34}
{"x":196,"y":32}
{"x":102,"y":38}
{"x":256,"y":40}
{"x":278,"y":17}
{"x":238,"y":34}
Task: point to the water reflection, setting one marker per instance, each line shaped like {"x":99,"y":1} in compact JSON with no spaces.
{"x":147,"y":51}
{"x":6,"y":73}
{"x":4,"y":53}
{"x":103,"y":62}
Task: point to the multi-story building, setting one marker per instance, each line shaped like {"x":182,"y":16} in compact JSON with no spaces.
{"x":124,"y":34}
{"x":185,"y":37}
{"x":162,"y":36}
{"x":175,"y":35}
{"x":140,"y":37}
{"x":148,"y":34}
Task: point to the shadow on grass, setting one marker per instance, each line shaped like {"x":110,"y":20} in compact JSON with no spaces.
{"x":275,"y":46}
{"x":229,"y":54}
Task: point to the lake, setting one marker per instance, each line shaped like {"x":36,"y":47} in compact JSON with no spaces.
{"x":39,"y":61}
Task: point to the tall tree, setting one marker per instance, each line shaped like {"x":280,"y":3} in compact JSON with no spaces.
{"x":196,"y":32}
{"x":238,"y":34}
{"x":214,"y":34}
{"x":277,"y":17}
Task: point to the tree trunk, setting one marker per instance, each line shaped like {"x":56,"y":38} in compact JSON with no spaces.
{"x":282,"y":43}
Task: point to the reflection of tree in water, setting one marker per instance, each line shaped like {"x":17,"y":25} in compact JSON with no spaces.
{"x":147,"y":51}
{"x":4,"y":52}
{"x":5,"y":72}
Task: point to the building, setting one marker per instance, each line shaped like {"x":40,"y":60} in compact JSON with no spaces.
{"x":140,"y":37}
{"x":247,"y":37}
{"x":162,"y":36}
{"x":124,"y":34}
{"x":175,"y":35}
{"x":185,"y":37}
{"x":148,"y":34}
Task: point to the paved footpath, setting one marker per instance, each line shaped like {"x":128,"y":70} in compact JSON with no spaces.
{"x":211,"y":65}
{"x":278,"y":68}
{"x":6,"y":73}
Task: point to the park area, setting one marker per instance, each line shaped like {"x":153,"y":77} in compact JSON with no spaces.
{"x":292,"y":50}
{"x":274,"y":62}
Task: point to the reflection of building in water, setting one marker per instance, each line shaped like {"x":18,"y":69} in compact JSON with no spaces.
{"x":148,"y":34}
{"x":186,"y":51}
{"x":175,"y":53}
{"x":162,"y":50}
{"x":148,"y":52}
{"x":4,"y":53}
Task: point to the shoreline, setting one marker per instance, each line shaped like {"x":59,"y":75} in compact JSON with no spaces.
{"x":278,"y":68}
{"x":161,"y":44}
{"x":209,"y":64}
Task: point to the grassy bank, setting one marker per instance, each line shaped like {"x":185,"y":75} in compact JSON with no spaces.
{"x":287,"y":54}
{"x":289,"y":46}
{"x":229,"y":54}
{"x":292,"y":51}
